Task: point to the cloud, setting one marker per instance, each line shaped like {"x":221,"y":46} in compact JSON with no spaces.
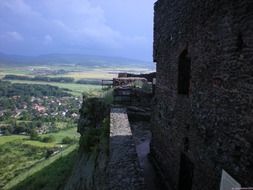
{"x":76,"y":25}
{"x":47,"y":39}
{"x":12,"y":36}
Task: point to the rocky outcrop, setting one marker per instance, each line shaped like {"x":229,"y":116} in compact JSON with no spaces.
{"x":90,"y":171}
{"x":92,"y":113}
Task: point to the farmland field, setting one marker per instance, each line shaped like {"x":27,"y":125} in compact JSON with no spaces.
{"x":76,"y":89}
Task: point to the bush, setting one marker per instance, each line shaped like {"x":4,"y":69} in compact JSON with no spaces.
{"x":48,"y":139}
{"x":108,"y":97}
{"x":49,"y":153}
{"x":93,"y":137}
{"x":90,"y":139}
{"x":34,"y":135}
{"x":6,"y":132}
{"x":67,"y":140}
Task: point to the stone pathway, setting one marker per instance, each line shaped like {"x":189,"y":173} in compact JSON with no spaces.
{"x":142,"y":136}
{"x":124,"y":169}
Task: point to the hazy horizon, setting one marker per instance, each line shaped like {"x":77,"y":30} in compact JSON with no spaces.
{"x":87,"y":27}
{"x":74,"y":54}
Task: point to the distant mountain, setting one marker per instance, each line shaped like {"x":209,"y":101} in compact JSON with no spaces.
{"x":72,"y":59}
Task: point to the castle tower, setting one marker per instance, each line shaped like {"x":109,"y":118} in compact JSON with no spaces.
{"x":203,"y":113}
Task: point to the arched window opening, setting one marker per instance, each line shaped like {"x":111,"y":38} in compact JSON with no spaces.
{"x":184,"y":73}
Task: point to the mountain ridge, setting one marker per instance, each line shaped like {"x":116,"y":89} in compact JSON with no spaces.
{"x":77,"y":59}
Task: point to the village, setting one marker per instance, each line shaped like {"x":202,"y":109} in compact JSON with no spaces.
{"x":37,"y":112}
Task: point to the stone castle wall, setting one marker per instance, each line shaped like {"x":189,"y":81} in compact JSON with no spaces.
{"x":209,"y":118}
{"x":124,"y":170}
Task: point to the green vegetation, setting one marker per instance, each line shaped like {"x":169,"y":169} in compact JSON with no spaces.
{"x":16,"y":158}
{"x":40,"y":78}
{"x":68,"y":140}
{"x":34,"y":135}
{"x":72,"y":133}
{"x":93,"y":137}
{"x":8,"y":89}
{"x":14,"y":70}
{"x":108,"y":96}
{"x":48,"y":139}
{"x":6,"y":139}
{"x":93,"y":124}
{"x":34,"y":175}
{"x":52,"y":79}
{"x":51,"y":177}
{"x":39,"y":114}
{"x":21,"y":156}
{"x":75,"y":89}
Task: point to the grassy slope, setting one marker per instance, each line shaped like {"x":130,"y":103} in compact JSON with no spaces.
{"x":15,"y":158}
{"x":21,"y":157}
{"x":6,"y":139}
{"x":72,"y":132}
{"x":49,"y":174}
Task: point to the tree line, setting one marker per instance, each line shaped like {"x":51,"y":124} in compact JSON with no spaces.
{"x":52,"y":79}
{"x":7,"y":89}
{"x":40,"y":78}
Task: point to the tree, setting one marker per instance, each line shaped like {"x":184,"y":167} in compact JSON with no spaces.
{"x":48,"y":139}
{"x":67,"y":140}
{"x":34,"y":135}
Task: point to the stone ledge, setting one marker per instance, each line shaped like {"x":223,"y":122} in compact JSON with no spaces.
{"x":123,"y":167}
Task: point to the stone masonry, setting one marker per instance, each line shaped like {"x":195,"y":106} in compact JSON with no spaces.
{"x":124,"y":169}
{"x":203,"y":108}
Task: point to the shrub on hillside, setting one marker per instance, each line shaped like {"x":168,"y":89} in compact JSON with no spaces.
{"x":90,"y":139}
{"x":49,"y":152}
{"x":34,"y":135}
{"x":67,"y":140}
{"x":48,"y":139}
{"x":92,"y":114}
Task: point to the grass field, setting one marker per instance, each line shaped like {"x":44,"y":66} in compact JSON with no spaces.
{"x":99,"y":74}
{"x":72,"y":132}
{"x":20,"y":182}
{"x":52,"y":176}
{"x":79,"y":73}
{"x":14,"y":71}
{"x":76,"y":89}
{"x":20,"y":156}
{"x":58,"y":136}
{"x":6,"y":139}
{"x":16,"y":157}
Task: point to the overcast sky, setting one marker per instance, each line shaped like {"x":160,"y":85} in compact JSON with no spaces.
{"x":122,"y":28}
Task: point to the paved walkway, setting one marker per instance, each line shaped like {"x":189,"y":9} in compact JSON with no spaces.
{"x":124,"y":169}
